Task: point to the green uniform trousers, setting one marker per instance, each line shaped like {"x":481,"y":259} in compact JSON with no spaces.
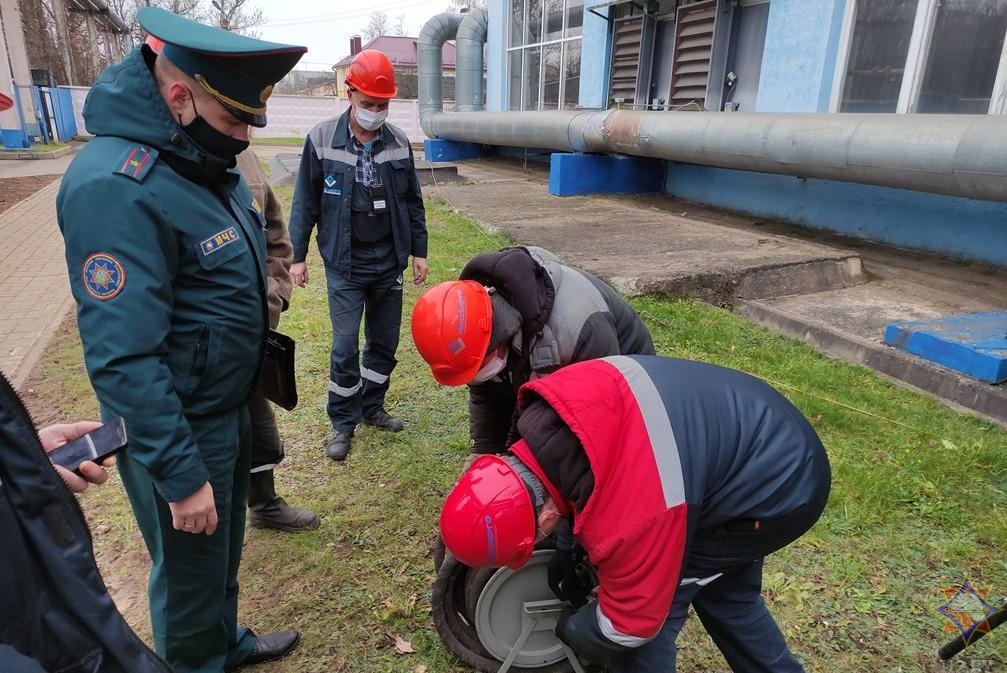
{"x":194,"y":578}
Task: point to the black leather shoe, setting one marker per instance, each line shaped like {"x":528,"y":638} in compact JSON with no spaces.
{"x":384,"y":420}
{"x":338,"y":445}
{"x":269,"y":647}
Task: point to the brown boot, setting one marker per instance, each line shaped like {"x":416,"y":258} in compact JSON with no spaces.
{"x":268,"y":510}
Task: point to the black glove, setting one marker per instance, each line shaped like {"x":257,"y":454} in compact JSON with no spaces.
{"x":571,"y":577}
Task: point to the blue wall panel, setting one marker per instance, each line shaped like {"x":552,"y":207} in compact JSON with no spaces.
{"x":594,"y":60}
{"x":496,"y":56}
{"x":947,"y":225}
{"x":800,"y":57}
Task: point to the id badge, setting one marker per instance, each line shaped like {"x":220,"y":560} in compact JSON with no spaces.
{"x":379,"y":203}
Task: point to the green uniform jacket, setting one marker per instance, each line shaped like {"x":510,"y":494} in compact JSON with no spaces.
{"x":167,"y":266}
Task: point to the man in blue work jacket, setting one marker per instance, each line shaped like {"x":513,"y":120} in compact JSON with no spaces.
{"x":166,"y":256}
{"x":357,"y":182}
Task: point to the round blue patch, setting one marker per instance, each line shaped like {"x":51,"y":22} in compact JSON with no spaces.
{"x":103,"y":275}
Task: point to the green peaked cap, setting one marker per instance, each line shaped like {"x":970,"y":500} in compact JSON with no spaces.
{"x":237,"y":70}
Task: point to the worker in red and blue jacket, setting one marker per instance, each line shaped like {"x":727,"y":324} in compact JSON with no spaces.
{"x":677,"y":478}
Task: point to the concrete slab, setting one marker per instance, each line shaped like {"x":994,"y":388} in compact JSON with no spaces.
{"x":645,"y":250}
{"x":974,"y":344}
{"x":959,"y":391}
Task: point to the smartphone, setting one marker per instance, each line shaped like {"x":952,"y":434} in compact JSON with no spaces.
{"x":95,"y":445}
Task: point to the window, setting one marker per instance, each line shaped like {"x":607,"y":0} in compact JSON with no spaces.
{"x":927,"y":56}
{"x":544,"y":54}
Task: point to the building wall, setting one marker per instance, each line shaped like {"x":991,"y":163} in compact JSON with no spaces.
{"x":798,"y":68}
{"x":947,"y":225}
{"x":799,"y":62}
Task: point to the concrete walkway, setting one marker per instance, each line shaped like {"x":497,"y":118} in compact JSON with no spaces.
{"x":34,"y":287}
{"x":24,"y":167}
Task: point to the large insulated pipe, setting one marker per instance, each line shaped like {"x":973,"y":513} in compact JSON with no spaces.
{"x":958,"y":155}
{"x":434,"y":34}
{"x":469,"y":56}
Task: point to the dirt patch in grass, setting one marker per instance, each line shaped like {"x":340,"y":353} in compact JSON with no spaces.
{"x":15,"y":190}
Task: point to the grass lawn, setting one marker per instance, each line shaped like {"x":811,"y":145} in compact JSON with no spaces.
{"x":39,"y":147}
{"x":919,"y":501}
{"x":293,"y":141}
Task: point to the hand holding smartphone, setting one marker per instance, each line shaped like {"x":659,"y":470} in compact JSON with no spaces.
{"x":94,"y":446}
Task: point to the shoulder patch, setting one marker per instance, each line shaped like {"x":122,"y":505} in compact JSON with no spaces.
{"x":136,"y":162}
{"x":104,"y":276}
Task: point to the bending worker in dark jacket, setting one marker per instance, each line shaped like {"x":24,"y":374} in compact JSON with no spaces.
{"x":357,"y":182}
{"x":651,"y":457}
{"x":517,"y":314}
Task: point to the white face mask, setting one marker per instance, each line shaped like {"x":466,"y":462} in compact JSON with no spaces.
{"x":492,"y":366}
{"x":368,"y":120}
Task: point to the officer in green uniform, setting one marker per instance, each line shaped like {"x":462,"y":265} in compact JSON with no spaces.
{"x":166,"y":256}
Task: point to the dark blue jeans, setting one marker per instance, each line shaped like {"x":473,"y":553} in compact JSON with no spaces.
{"x":730,"y":604}
{"x":734,"y":614}
{"x":357,"y":385}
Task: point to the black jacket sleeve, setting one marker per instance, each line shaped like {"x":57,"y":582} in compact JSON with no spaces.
{"x":491,"y":412}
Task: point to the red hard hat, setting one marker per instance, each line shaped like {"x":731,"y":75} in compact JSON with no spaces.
{"x":488,"y":519}
{"x":371,"y":74}
{"x":452,"y":324}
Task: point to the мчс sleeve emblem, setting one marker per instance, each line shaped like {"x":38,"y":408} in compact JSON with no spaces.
{"x":103,"y":275}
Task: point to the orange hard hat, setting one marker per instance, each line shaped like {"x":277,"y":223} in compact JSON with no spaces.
{"x":156,"y":44}
{"x":452,"y":324}
{"x":371,"y":74}
{"x":488,"y":518}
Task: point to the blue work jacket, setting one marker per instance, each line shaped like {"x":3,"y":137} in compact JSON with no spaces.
{"x":324,"y":191}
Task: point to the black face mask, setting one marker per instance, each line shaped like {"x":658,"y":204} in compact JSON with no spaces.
{"x":213,"y":141}
{"x":220,"y":145}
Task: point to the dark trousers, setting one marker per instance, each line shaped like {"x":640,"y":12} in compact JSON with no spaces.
{"x":194,"y":578}
{"x":357,"y":386}
{"x":722,"y":580}
{"x":267,"y":448}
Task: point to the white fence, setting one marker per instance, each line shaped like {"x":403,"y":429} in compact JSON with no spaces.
{"x":291,"y":116}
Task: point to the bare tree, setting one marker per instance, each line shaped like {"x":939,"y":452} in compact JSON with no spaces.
{"x":40,"y":39}
{"x":237,"y":17}
{"x":465,"y":5}
{"x":377,"y":24}
{"x":127,"y":9}
{"x":400,"y":26}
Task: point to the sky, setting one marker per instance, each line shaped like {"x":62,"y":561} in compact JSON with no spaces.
{"x":325,"y":27}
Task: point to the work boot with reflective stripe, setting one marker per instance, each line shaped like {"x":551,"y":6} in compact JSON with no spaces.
{"x":268,"y":510}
